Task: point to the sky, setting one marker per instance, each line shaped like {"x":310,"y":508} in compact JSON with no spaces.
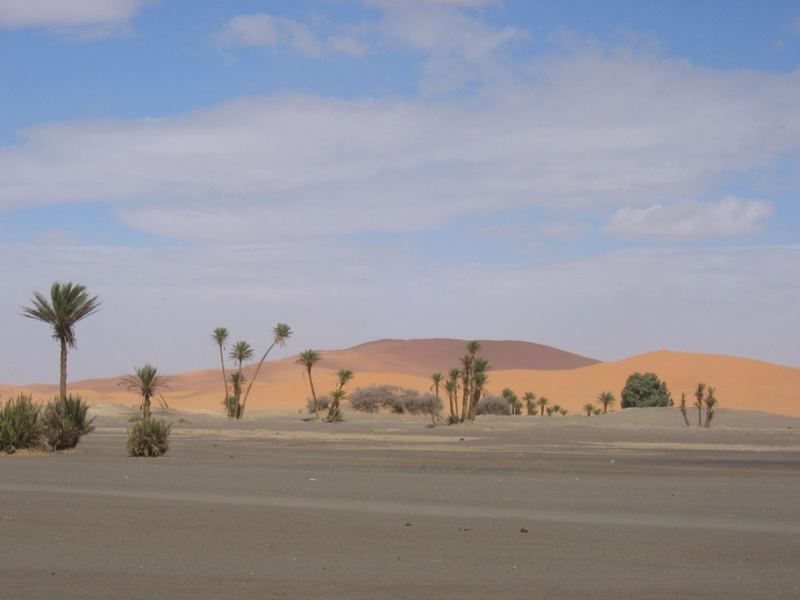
{"x":608,"y":178}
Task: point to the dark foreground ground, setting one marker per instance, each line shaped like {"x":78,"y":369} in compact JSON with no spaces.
{"x":623,"y":506}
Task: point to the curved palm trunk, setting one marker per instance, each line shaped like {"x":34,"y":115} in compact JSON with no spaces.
{"x":709,"y":416}
{"x":313,"y":393}
{"x":62,"y":385}
{"x":605,"y":408}
{"x":253,"y":380}
{"x":224,"y":375}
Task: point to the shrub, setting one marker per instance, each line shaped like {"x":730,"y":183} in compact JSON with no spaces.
{"x":396,"y":399}
{"x":149,"y":437}
{"x":645,"y":390}
{"x":493,"y":405}
{"x":20,"y":425}
{"x":323,"y":404}
{"x":64,"y":421}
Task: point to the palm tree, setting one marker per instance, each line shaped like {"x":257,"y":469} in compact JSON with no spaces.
{"x":556,"y":409}
{"x":699,"y":396}
{"x":334,"y":414}
{"x":220,"y":336}
{"x":683,"y":408}
{"x":68,"y":304}
{"x":711,"y":402}
{"x":146,"y":382}
{"x":542,"y":402}
{"x":562,"y":411}
{"x":308,"y":358}
{"x":437,"y":382}
{"x":280,"y":333}
{"x":452,"y":388}
{"x":589,"y":408}
{"x":239,"y":354}
{"x":344,"y":376}
{"x":530,"y":402}
{"x":511,"y":397}
{"x":606,"y":399}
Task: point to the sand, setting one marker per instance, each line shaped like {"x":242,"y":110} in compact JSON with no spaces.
{"x":564,"y":378}
{"x":629,"y":505}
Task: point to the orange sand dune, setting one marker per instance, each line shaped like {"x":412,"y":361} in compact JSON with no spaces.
{"x":282,"y":385}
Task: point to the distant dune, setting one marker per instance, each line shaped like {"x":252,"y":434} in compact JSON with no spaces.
{"x":565,"y":378}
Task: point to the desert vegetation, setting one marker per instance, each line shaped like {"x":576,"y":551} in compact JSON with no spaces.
{"x":397,"y":400}
{"x":149,"y":437}
{"x":307,"y":359}
{"x":146,"y":381}
{"x":24,"y":425}
{"x":643,"y":390}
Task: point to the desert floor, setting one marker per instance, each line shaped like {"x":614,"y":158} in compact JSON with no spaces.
{"x":627,"y":505}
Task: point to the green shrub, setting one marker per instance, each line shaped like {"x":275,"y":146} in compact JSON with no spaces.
{"x":644,"y":390}
{"x":64,"y":421}
{"x":20,"y":425}
{"x":149,"y":437}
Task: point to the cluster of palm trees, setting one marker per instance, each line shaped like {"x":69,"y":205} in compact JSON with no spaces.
{"x":465,"y":386}
{"x":242,"y":352}
{"x":307,"y":359}
{"x":704,"y":396}
{"x":604,"y":401}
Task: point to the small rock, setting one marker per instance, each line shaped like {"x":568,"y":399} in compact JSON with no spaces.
{"x":523,"y":530}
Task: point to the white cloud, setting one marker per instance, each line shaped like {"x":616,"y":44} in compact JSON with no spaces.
{"x":97,"y":15}
{"x":267,"y":31}
{"x":588,"y":131}
{"x":730,"y":216}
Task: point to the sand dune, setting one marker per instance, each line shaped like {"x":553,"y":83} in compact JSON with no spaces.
{"x":741,"y":383}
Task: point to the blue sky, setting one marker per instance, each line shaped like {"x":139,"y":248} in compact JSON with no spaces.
{"x":610,"y":178}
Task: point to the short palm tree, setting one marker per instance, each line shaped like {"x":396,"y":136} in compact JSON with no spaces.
{"x":589,"y":408}
{"x":530,"y":402}
{"x":334,"y":413}
{"x":308,"y":358}
{"x":711,"y":402}
{"x":220,"y":336}
{"x":683,"y":408}
{"x":511,"y":397}
{"x":437,"y":383}
{"x":699,"y":398}
{"x":344,"y":376}
{"x":606,"y":399}
{"x":542,"y":402}
{"x":68,"y":304}
{"x":280,"y":333}
{"x":240,"y":353}
{"x":146,"y":382}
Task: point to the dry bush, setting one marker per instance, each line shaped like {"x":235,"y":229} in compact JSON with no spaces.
{"x":149,"y":437}
{"x":493,"y":405}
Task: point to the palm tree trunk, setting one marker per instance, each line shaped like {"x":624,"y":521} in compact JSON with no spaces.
{"x":224,"y":376}
{"x":62,"y":386}
{"x":313,"y":393}
{"x":253,"y":380}
{"x":700,"y":416}
{"x":146,"y":407}
{"x":605,"y":408}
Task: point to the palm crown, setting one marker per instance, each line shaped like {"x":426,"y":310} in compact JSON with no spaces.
{"x":68,"y":304}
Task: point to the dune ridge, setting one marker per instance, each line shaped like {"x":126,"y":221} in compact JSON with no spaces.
{"x":741,"y":383}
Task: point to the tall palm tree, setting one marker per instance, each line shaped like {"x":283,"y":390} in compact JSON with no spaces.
{"x":68,"y":304}
{"x":308,"y":358}
{"x":241,"y":353}
{"x":452,"y":389}
{"x":220,"y":336}
{"x":530,"y":406}
{"x":606,"y":399}
{"x":542,"y":402}
{"x":280,"y":333}
{"x":699,"y":398}
{"x":146,"y":382}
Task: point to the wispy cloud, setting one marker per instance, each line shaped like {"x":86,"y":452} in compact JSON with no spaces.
{"x":85,"y":18}
{"x":730,"y":216}
{"x":266,"y":31}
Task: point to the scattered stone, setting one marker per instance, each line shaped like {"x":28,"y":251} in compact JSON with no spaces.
{"x":523,"y":530}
